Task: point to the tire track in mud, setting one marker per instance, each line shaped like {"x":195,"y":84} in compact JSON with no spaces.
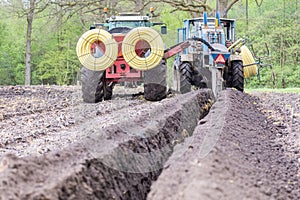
{"x":118,"y":160}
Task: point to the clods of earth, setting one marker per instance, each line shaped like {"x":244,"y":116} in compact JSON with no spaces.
{"x":191,"y":146}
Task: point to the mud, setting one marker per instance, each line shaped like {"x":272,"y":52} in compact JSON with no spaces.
{"x":113,"y":150}
{"x":53,"y":146}
{"x":239,"y":151}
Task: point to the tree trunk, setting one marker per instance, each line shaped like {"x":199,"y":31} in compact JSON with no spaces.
{"x":222,"y":7}
{"x":28,"y":43}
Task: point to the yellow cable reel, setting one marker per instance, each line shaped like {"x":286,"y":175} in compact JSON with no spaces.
{"x":247,"y":60}
{"x":129,"y":48}
{"x":86,"y":56}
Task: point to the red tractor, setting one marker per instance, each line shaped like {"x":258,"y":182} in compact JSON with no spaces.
{"x":124,"y":49}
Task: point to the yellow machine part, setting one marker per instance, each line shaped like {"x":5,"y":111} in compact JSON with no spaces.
{"x":129,"y":48}
{"x":84,"y":46}
{"x":247,"y":60}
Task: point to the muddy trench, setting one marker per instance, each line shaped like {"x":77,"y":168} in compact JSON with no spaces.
{"x":117,"y":161}
{"x":243,"y":146}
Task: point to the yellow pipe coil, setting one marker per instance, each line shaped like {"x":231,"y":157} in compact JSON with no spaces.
{"x":154,"y":40}
{"x":248,"y":59}
{"x":85,"y":56}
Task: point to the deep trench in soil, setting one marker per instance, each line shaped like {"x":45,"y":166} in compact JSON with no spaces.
{"x":116,"y":161}
{"x":53,"y":146}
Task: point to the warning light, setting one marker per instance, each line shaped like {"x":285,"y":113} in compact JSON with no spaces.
{"x":105,"y":9}
{"x":220,"y":59}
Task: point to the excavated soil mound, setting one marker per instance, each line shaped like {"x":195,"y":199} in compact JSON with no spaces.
{"x":245,"y":148}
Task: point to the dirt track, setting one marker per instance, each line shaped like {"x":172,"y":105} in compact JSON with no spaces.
{"x":53,"y":146}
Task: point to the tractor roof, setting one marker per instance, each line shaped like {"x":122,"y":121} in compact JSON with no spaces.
{"x":129,"y":18}
{"x":210,"y":19}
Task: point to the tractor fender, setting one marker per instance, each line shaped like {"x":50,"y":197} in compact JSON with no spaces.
{"x":187,"y":57}
{"x":234,"y":57}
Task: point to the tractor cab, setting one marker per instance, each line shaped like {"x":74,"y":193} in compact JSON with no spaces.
{"x":129,"y":21}
{"x":211,"y":29}
{"x":132,"y":20}
{"x":215,"y":30}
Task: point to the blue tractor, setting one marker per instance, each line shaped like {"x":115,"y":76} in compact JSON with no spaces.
{"x":212,"y":59}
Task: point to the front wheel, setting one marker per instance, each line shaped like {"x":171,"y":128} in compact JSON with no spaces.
{"x":238,"y":75}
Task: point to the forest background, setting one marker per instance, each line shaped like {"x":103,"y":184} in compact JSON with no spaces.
{"x":38,"y":37}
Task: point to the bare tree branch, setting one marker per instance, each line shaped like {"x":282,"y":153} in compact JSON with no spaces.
{"x":193,"y":6}
{"x":229,"y":7}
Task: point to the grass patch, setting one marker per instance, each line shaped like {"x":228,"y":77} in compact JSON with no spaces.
{"x":285,"y":90}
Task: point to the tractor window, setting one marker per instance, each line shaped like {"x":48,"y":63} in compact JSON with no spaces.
{"x":228,"y":30}
{"x":132,"y":24}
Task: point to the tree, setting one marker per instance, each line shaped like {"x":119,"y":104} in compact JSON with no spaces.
{"x":223,"y":6}
{"x":276,"y":27}
{"x":12,"y":47}
{"x":28,"y":9}
{"x":30,"y":15}
{"x":195,"y":7}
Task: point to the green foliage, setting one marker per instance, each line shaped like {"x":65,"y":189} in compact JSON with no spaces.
{"x":57,"y":67}
{"x":277,"y":26}
{"x":11,"y":54}
{"x":54,"y":39}
{"x":57,"y":62}
{"x":19,"y":72}
{"x":5,"y":67}
{"x":285,"y":90}
{"x":173,"y":20}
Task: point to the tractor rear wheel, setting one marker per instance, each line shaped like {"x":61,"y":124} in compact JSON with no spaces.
{"x":155,"y":82}
{"x":238,"y":75}
{"x":186,"y":77}
{"x":90,"y":80}
{"x":104,"y":90}
{"x":94,"y":88}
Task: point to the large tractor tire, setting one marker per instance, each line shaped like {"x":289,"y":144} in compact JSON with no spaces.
{"x":90,"y":80}
{"x":94,"y":88}
{"x":238,"y":75}
{"x":104,"y":90}
{"x":186,"y":77}
{"x":155,"y":82}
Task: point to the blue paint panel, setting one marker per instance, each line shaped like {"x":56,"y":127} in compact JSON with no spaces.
{"x":187,"y":26}
{"x":218,"y":18}
{"x":205,"y":18}
{"x":181,"y":37}
{"x":223,"y":39}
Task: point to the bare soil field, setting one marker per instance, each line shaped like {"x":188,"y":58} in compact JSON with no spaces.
{"x":54,"y":146}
